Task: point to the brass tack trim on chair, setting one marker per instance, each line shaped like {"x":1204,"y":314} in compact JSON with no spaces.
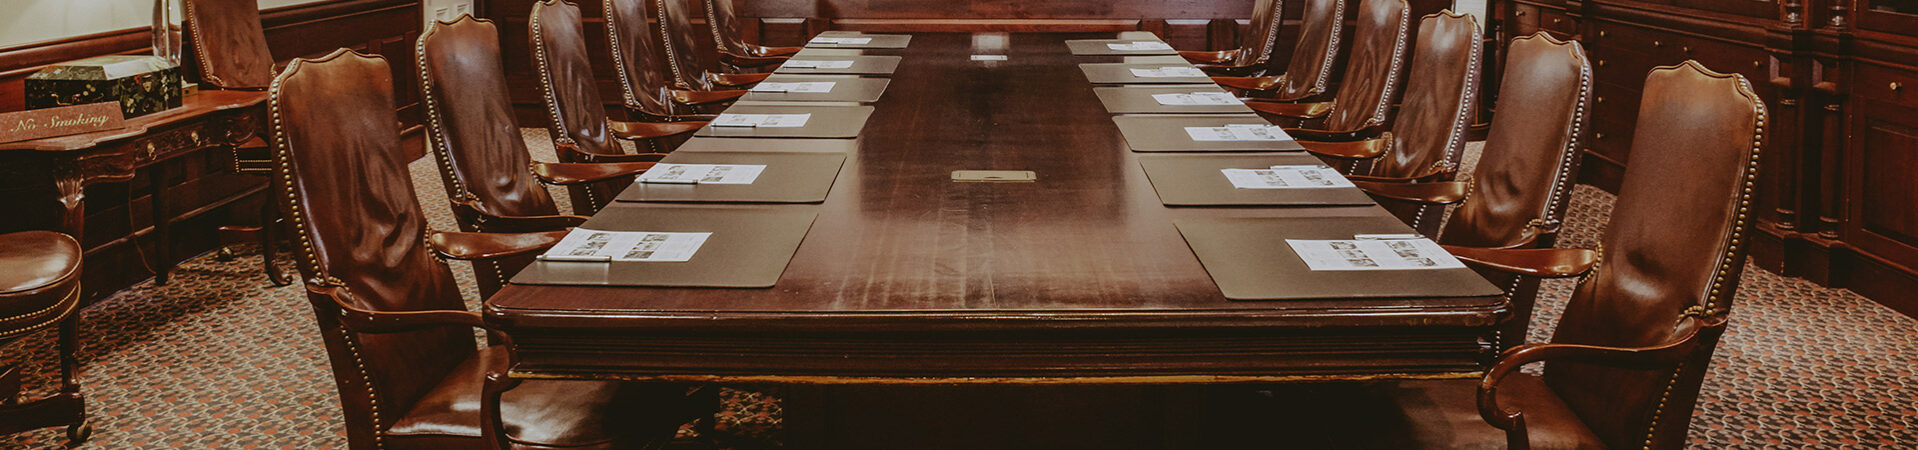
{"x":199,"y":47}
{"x":1398,"y":62}
{"x":1561,"y":189}
{"x":436,"y":131}
{"x":712,"y":25}
{"x":1276,"y":18}
{"x":666,"y":41}
{"x":71,"y":301}
{"x":619,"y":55}
{"x":1331,"y":48}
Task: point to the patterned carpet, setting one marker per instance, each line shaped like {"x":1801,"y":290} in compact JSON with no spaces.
{"x":218,"y":358}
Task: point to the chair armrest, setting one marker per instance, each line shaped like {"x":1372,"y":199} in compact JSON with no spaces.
{"x":736,"y":79}
{"x":1352,"y":150}
{"x":582,"y":173}
{"x":738,"y":60}
{"x":1231,"y":69}
{"x":1292,"y":110}
{"x":1312,"y":134}
{"x":634,"y":131}
{"x":1249,"y":83}
{"x":1446,"y":173}
{"x":697,"y":98}
{"x":1533,"y":262}
{"x":569,"y":149}
{"x":1669,"y":353}
{"x":1210,"y":57}
{"x":1440,"y":193}
{"x":480,"y":246}
{"x":468,"y":211}
{"x":765,"y":52}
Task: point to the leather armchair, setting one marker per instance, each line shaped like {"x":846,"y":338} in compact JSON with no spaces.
{"x":229,"y":49}
{"x":1524,"y":177}
{"x":40,"y":288}
{"x":1306,"y":73}
{"x":1427,"y":139}
{"x":1254,"y":50}
{"x":646,"y":66}
{"x":581,"y":131}
{"x":482,"y":158}
{"x":677,"y":34}
{"x":734,"y":52}
{"x":395,"y":326}
{"x":1632,"y":348}
{"x":1363,"y":104}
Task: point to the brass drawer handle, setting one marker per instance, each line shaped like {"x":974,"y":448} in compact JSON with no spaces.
{"x":1601,"y":63}
{"x":1598,"y":136}
{"x":1895,"y":87}
{"x":1658,"y":43}
{"x":1555,"y":21}
{"x":1520,"y":13}
{"x":1601,"y":99}
{"x":1601,"y":33}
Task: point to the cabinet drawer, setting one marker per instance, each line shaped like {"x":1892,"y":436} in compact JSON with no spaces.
{"x":1608,"y":35}
{"x":1611,"y":138}
{"x":1726,"y":58}
{"x":1557,"y":22}
{"x":1615,"y":103}
{"x":1622,"y":67}
{"x":1524,"y":19}
{"x":1885,"y":84}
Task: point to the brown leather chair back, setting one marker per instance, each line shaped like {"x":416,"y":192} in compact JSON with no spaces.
{"x":677,"y":36}
{"x":644,"y":77}
{"x":723,"y":24}
{"x":1313,"y":54}
{"x":1256,"y":48}
{"x":1372,"y":74}
{"x":1429,"y":132}
{"x":1675,"y":249}
{"x":566,"y":78}
{"x":229,"y":43}
{"x":470,"y":126}
{"x":1525,"y":176}
{"x":342,"y":176}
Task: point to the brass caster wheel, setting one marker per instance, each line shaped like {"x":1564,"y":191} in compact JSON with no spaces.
{"x":225,"y":254}
{"x":78,"y":433}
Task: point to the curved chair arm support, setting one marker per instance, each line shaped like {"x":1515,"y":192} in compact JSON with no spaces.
{"x":1350,"y":150}
{"x":736,"y":79}
{"x":1440,"y":193}
{"x":479,"y":246}
{"x":582,"y":156}
{"x":1531,"y":262}
{"x":1236,"y":70}
{"x":493,"y":426}
{"x":1434,"y":175}
{"x":738,"y":60}
{"x":1299,"y":111}
{"x":581,"y":173}
{"x":1313,"y":134}
{"x":697,"y":98}
{"x":1210,"y":57}
{"x":765,"y":52}
{"x":1669,"y":353}
{"x":1250,"y":83}
{"x":634,"y":131}
{"x":468,"y":211}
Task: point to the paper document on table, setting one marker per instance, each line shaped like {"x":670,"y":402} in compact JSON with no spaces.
{"x":841,"y":40}
{"x":1286,"y":177}
{"x":1168,"y":72}
{"x":818,"y":64}
{"x":761,"y":120}
{"x":625,"y":246}
{"x":1137,"y":46}
{"x":702,"y":173}
{"x":1238,"y":132}
{"x":1378,"y":254}
{"x":1196,"y":99}
{"x":810,"y":87}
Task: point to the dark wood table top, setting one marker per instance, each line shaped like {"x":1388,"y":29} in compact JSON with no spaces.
{"x":909,"y":276}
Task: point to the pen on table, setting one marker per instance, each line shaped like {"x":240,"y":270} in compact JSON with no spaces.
{"x":567,"y":258}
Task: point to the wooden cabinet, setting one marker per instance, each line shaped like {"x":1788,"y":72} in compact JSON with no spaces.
{"x":1836,"y":203}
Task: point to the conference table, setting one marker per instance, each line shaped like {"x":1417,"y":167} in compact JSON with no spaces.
{"x":908,"y":278}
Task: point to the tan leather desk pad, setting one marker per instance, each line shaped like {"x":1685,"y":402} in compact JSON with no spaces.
{"x":749,"y":247}
{"x":1138,"y":100}
{"x":1166,"y":133}
{"x":1121,"y":73}
{"x":893,"y":41}
{"x":789,"y":178}
{"x":861,"y":64}
{"x":720,"y":144}
{"x":1097,"y":47}
{"x":832,"y":122}
{"x":1162,"y":60}
{"x":1195,"y":180}
{"x":1249,"y":260}
{"x":846,"y":88}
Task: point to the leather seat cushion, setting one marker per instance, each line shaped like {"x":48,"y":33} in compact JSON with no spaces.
{"x":1438,"y":414}
{"x":39,"y":271}
{"x":542,"y":413}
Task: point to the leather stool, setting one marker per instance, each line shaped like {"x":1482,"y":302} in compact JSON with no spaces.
{"x":40,"y":287}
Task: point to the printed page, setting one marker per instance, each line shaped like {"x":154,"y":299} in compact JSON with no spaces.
{"x":625,"y":246}
{"x":1168,"y":72}
{"x":1196,"y":98}
{"x":1238,"y":132}
{"x":1138,"y":46}
{"x":703,"y":173}
{"x":819,"y":64}
{"x":1376,"y":254}
{"x":761,"y":120}
{"x":810,"y":87}
{"x":1286,"y":177}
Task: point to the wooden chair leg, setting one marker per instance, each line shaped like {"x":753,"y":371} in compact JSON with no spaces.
{"x":66,"y":408}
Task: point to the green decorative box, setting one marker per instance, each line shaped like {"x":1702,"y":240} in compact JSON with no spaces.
{"x":142,"y":84}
